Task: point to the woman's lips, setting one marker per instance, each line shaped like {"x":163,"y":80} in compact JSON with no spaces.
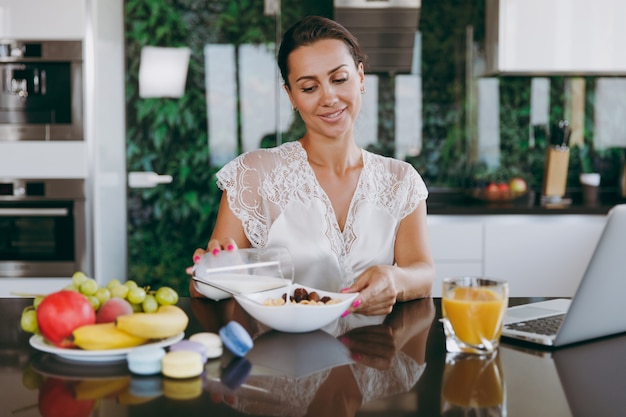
{"x":333,"y":116}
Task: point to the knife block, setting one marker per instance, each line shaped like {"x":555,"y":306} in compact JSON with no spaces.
{"x":555,"y":172}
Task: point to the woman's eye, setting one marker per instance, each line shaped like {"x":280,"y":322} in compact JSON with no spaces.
{"x":307,"y":89}
{"x":340,"y":80}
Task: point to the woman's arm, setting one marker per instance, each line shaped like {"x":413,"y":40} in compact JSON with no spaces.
{"x":411,"y":277}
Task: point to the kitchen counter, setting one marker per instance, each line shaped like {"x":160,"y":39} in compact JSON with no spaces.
{"x":395,"y":367}
{"x":459,"y":202}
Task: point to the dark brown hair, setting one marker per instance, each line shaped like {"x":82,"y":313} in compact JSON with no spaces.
{"x":309,"y":30}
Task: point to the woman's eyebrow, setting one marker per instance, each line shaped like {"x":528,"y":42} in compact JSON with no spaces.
{"x":307,"y":77}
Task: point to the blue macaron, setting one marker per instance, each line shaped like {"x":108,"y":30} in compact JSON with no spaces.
{"x":236,"y":338}
{"x":145,"y":360}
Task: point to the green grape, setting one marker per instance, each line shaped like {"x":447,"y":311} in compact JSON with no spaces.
{"x":31,"y":379}
{"x":28,"y":321}
{"x":78,"y":278}
{"x":94,"y":301}
{"x":131,"y":284}
{"x":166,"y":296}
{"x":121,"y":291}
{"x":136,"y":295}
{"x":71,"y":287}
{"x":38,"y":301}
{"x":89,"y":286}
{"x":150,"y":304}
{"x":113,"y":283}
{"x":137,"y":308}
{"x":103,"y":294}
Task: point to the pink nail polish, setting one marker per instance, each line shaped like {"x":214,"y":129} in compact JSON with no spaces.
{"x":196,"y":259}
{"x":356,"y":303}
{"x":216,"y":251}
{"x":230,"y":247}
{"x":345,"y":313}
{"x":356,"y":356}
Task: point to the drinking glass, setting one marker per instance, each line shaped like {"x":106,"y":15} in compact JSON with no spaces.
{"x":243,"y":271}
{"x":473,"y":386}
{"x":473,"y":310}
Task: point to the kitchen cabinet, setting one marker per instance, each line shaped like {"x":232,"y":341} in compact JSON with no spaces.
{"x":539,"y":255}
{"x":457,"y":246}
{"x":37,"y":19}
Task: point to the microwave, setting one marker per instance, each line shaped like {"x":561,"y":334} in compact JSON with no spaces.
{"x":41,"y":90}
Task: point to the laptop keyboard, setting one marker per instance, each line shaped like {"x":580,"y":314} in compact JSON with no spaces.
{"x":547,"y":325}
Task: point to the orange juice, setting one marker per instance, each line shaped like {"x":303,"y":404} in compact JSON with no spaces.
{"x":475,"y":314}
{"x":473,"y":382}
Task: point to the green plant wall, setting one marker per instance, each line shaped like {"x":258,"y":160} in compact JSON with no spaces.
{"x":169,"y":136}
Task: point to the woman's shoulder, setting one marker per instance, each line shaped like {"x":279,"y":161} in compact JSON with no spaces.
{"x":390,"y":164}
{"x":284,"y":151}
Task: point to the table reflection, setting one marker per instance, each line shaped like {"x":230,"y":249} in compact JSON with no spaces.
{"x":332,"y":372}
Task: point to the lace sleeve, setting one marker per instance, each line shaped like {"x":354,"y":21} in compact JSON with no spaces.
{"x":240,"y":179}
{"x":394,"y":185}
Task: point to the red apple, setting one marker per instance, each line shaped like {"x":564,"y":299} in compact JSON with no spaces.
{"x":56,"y":399}
{"x":503,"y":187}
{"x":60,"y":313}
{"x":112,"y":308}
{"x":492,"y":187}
{"x":518,"y":185}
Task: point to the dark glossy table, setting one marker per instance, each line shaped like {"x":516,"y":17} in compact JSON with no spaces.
{"x":372,"y":367}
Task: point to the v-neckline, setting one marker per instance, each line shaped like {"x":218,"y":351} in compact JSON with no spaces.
{"x":326,"y":199}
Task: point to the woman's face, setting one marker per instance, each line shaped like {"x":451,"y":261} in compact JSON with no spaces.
{"x":326,"y":87}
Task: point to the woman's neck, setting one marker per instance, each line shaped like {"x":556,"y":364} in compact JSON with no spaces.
{"x":334,"y":155}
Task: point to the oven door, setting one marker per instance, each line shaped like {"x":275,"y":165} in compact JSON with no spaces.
{"x":38,"y":239}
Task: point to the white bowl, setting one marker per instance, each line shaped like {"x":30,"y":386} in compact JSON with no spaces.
{"x":295,"y":317}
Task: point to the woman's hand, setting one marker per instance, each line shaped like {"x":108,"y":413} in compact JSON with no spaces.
{"x":215,"y":247}
{"x":377,"y":290}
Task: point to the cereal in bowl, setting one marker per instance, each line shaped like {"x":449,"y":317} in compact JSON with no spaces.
{"x":301,"y":296}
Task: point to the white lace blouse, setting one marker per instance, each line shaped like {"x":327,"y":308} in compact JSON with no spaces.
{"x":275,"y":194}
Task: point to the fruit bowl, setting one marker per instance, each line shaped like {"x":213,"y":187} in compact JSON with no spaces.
{"x":496,"y":196}
{"x":295,"y":317}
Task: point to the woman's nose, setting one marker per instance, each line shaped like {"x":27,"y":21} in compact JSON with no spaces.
{"x":329,"y":95}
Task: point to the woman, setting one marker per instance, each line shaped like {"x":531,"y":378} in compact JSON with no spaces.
{"x":352,"y":220}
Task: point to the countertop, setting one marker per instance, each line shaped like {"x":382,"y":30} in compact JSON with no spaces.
{"x":447,"y":201}
{"x":391,"y":367}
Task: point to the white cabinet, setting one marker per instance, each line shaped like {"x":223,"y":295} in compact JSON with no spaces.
{"x":540,"y":255}
{"x":42,"y":19}
{"x":457,"y":246}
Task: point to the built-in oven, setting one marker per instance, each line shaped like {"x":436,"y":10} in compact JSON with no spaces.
{"x":41,"y":90}
{"x":42,"y":228}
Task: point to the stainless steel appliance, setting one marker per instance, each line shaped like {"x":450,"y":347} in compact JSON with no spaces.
{"x":42,"y":228}
{"x":41,"y":90}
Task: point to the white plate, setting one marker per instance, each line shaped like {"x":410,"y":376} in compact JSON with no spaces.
{"x":293,"y":317}
{"x":79,"y":355}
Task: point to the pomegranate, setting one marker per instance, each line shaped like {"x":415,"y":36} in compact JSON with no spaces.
{"x":60,"y":313}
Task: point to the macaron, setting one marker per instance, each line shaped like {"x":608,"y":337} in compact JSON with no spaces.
{"x":190,"y":345}
{"x":145,"y":360}
{"x":182,"y":364}
{"x":236,"y":338}
{"x":211,"y":342}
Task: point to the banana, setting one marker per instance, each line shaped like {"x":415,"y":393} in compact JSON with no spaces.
{"x":104,"y":336}
{"x":94,"y":389}
{"x":167,"y":321}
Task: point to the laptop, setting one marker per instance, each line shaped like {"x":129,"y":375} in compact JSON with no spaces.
{"x":598,"y":307}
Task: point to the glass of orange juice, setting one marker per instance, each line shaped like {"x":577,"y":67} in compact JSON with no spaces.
{"x":473,"y":311}
{"x":473,"y":386}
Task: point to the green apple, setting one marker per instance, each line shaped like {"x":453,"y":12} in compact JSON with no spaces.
{"x":518,"y":185}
